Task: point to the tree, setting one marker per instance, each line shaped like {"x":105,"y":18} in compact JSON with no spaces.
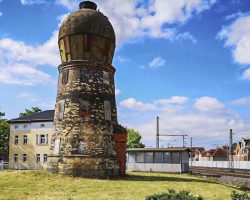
{"x":134,"y":139}
{"x":4,"y":138}
{"x":31,"y":111}
{"x":2,"y":114}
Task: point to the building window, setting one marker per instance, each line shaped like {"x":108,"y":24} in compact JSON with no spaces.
{"x":42,"y":139}
{"x":81,"y":147}
{"x":16,"y":126}
{"x":38,"y":158}
{"x":16,"y":139}
{"x":15,"y":157}
{"x":61,"y":107}
{"x":107,"y":110}
{"x":65,"y":75}
{"x":167,"y":157}
{"x":149,"y":157}
{"x":158,"y":157}
{"x":105,"y":77}
{"x":84,"y":110}
{"x":25,"y":126}
{"x":84,"y":74}
{"x":45,"y":158}
{"x":25,"y":139}
{"x":139,"y":158}
{"x":24,"y":157}
{"x":42,"y":125}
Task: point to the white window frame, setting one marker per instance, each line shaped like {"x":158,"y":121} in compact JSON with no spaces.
{"x":38,"y":158}
{"x":25,"y":139}
{"x":45,"y":158}
{"x":42,"y":139}
{"x":105,"y":76}
{"x":15,"y":159}
{"x":16,"y":140}
{"x":107,"y":110}
{"x":25,"y":156}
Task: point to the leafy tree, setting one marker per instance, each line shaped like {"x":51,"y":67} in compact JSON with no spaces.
{"x":134,"y":139}
{"x":31,"y":111}
{"x":1,"y":114}
{"x":4,"y":138}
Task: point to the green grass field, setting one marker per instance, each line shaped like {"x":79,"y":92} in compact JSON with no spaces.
{"x":15,"y":185}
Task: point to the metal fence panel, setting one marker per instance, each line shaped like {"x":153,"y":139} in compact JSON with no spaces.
{"x":221,"y":164}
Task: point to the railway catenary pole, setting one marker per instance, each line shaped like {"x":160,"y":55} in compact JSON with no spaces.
{"x":157,"y":132}
{"x":230,"y":151}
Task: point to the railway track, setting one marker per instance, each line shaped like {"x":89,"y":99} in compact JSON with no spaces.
{"x":218,"y":172}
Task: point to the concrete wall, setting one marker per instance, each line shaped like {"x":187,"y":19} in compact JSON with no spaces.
{"x":221,"y":164}
{"x":155,"y":167}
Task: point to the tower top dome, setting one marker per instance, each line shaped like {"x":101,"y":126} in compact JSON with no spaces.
{"x":87,"y":20}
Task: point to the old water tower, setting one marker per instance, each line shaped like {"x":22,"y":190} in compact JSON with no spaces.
{"x":87,"y":139}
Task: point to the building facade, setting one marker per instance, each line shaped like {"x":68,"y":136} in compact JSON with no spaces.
{"x":218,"y":154}
{"x":174,"y":160}
{"x":29,"y":140}
{"x":242,"y":152}
{"x":87,"y":139}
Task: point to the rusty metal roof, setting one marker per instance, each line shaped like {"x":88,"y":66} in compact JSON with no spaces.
{"x":87,"y":20}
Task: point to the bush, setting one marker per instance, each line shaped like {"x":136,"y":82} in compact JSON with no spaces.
{"x":173,"y":195}
{"x":237,"y":196}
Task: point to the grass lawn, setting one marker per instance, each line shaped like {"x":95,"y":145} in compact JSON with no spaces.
{"x":15,"y":185}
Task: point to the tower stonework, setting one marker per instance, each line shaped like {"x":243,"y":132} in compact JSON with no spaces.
{"x":87,"y":139}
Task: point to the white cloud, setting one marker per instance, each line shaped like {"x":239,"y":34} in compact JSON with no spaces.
{"x":242,"y":101}
{"x":27,"y":96}
{"x":237,"y":36}
{"x":207,"y":104}
{"x":117,"y":92}
{"x":149,"y":18}
{"x":1,"y":13}
{"x":246,"y":74}
{"x":121,"y":59}
{"x":205,"y":127}
{"x":23,"y":75}
{"x":157,"y":62}
{"x":30,"y":2}
{"x":137,"y":105}
{"x":160,"y":104}
{"x":12,"y":51}
{"x":185,"y":36}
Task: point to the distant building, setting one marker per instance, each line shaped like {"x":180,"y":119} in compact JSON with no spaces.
{"x":29,"y":140}
{"x":218,"y":154}
{"x":173,"y":160}
{"x":196,"y":153}
{"x":242,"y":152}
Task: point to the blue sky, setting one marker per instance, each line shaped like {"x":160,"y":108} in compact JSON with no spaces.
{"x":186,"y":61}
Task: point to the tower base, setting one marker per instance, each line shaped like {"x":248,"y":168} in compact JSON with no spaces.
{"x":85,"y":166}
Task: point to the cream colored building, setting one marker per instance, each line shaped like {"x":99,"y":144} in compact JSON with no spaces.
{"x":29,"y":140}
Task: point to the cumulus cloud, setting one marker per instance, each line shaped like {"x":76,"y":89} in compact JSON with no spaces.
{"x":23,"y":75}
{"x":242,"y":101}
{"x":237,"y":36}
{"x":30,"y":2}
{"x":208,"y":104}
{"x":134,"y":104}
{"x":117,"y":92}
{"x":246,"y":74}
{"x":157,"y":62}
{"x":1,"y":13}
{"x":148,"y":18}
{"x":12,"y":51}
{"x":205,"y":127}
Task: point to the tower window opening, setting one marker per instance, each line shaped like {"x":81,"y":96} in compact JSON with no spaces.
{"x":106,"y":77}
{"x":84,"y":110}
{"x":84,"y":74}
{"x":107,"y":110}
{"x":61,"y":108}
{"x":65,"y":75}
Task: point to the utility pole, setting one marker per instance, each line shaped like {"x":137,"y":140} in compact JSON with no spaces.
{"x":230,"y":151}
{"x":157,"y":132}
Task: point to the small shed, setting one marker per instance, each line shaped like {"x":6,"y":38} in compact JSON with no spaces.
{"x":173,"y":160}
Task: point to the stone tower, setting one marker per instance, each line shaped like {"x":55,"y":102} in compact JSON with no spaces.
{"x":87,"y":140}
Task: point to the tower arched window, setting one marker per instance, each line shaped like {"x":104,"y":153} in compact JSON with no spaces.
{"x":107,"y":110}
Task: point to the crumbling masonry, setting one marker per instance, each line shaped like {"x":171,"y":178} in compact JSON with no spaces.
{"x":87,"y":139}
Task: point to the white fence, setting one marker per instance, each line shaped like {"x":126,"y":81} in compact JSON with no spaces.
{"x":3,"y":165}
{"x":221,"y":164}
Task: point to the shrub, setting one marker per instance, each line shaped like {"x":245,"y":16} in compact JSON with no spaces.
{"x":237,"y":196}
{"x":173,"y":195}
